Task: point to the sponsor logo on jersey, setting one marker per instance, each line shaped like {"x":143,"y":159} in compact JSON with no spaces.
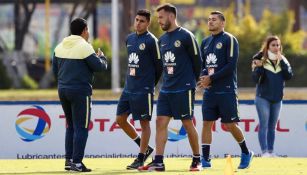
{"x":211,"y":59}
{"x":133,"y":58}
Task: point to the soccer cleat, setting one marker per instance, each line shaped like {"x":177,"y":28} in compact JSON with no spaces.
{"x":79,"y":167}
{"x":152,"y":166}
{"x":68,"y":163}
{"x":195,"y":166}
{"x":246,"y":160}
{"x":148,"y":151}
{"x":135,"y":165}
{"x":206,"y":163}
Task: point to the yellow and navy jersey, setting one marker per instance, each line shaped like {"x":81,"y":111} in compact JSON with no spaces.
{"x":144,"y":63}
{"x":74,"y":62}
{"x":270,"y":78}
{"x":220,"y":56}
{"x":181,"y":60}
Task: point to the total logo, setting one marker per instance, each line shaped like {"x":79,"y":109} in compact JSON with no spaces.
{"x":175,"y":135}
{"x":32,"y":124}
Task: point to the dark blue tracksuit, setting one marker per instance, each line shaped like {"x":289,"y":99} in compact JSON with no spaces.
{"x":181,"y":69}
{"x":143,"y":73}
{"x":74,"y":63}
{"x":220,"y":56}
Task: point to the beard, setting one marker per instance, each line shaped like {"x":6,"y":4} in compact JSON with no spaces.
{"x":166,"y":26}
{"x":212,"y":29}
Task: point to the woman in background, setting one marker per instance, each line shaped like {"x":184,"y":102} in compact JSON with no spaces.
{"x":270,"y":69}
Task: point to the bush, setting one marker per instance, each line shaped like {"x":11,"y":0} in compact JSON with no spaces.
{"x":251,"y":34}
{"x":28,"y":83}
{"x":102,"y":80}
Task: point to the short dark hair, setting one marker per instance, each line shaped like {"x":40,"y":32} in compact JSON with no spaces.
{"x":145,"y":13}
{"x":77,"y":26}
{"x":168,"y":8}
{"x":219,"y":14}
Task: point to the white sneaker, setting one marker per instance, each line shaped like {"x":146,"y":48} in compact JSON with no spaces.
{"x":273,"y":155}
{"x":266,"y":155}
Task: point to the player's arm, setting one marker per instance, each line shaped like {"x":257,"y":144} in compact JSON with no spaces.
{"x":55,"y":68}
{"x":156,"y":55}
{"x":97,"y":63}
{"x":232,"y":59}
{"x":194,"y":53}
{"x":204,"y":70}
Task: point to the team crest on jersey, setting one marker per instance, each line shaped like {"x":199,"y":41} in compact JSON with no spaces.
{"x":219,"y":45}
{"x":142,"y":46}
{"x":177,"y":43}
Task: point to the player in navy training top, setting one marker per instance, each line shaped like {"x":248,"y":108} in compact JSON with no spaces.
{"x":144,"y":71}
{"x":181,"y":70}
{"x":220,"y":53}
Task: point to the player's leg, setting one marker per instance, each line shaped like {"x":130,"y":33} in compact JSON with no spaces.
{"x":193,"y":140}
{"x":81,"y":112}
{"x":66,"y":105}
{"x":209,"y":112}
{"x":141,"y":108}
{"x":206,"y":140}
{"x":122,"y":112}
{"x":162,"y":121}
{"x":182,"y":105}
{"x":228,"y":106}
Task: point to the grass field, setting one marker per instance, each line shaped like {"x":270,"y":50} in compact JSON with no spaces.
{"x":174,"y":166}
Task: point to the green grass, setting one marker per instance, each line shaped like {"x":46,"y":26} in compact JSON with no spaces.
{"x":174,"y":166}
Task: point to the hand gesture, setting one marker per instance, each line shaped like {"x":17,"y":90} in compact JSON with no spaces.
{"x":99,"y":53}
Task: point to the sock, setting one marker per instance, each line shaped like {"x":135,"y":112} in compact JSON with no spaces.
{"x":141,"y":157}
{"x":243,"y":147}
{"x":206,"y":151}
{"x":149,"y":147}
{"x":196,"y":158}
{"x":158,"y":159}
{"x":137,"y":140}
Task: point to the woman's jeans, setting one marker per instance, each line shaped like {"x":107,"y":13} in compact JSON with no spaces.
{"x":268,"y":113}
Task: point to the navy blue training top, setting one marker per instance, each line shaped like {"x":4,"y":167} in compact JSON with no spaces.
{"x":144,"y":63}
{"x":181,"y":60}
{"x":220,"y":54}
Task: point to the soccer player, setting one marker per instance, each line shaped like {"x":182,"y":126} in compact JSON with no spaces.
{"x":74,"y":63}
{"x":181,"y":69}
{"x":144,"y":71}
{"x":220,"y":53}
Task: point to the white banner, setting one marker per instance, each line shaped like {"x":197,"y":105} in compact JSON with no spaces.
{"x":35,"y":130}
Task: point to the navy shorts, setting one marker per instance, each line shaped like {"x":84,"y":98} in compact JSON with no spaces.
{"x":179,"y":105}
{"x":224,"y":106}
{"x":139,"y":105}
